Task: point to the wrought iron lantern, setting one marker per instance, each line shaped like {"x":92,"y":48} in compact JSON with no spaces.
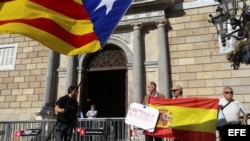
{"x":226,"y":14}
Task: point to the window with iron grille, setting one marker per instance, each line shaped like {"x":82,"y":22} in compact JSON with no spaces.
{"x":8,"y":56}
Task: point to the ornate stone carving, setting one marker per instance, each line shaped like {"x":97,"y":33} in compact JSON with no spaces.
{"x":109,"y":59}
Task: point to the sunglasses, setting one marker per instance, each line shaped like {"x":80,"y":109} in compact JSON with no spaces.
{"x":228,"y":92}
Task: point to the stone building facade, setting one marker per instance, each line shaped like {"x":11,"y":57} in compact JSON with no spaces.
{"x":167,"y":41}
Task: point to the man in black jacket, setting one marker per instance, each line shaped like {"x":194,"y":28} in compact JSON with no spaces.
{"x":67,"y":109}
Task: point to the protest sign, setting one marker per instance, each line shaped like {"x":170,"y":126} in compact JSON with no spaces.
{"x":142,"y":116}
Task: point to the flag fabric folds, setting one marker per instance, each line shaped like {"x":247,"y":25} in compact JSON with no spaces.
{"x":69,"y":27}
{"x":188,"y":119}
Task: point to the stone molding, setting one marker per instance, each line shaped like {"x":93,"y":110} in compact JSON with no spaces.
{"x":146,"y":12}
{"x":143,"y":3}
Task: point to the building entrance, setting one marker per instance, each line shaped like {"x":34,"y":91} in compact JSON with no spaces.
{"x":105,"y":83}
{"x":107,"y":92}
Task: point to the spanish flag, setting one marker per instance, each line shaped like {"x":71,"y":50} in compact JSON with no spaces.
{"x":187,"y":119}
{"x":69,"y":27}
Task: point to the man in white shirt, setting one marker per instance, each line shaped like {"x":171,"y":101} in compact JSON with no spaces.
{"x":92,"y":113}
{"x":231,"y":109}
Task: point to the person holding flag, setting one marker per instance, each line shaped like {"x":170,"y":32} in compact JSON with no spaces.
{"x":177,"y":92}
{"x":67,"y":109}
{"x":152,"y":92}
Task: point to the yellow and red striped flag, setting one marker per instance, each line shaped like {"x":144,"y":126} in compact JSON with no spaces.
{"x":188,"y":119}
{"x":69,"y":27}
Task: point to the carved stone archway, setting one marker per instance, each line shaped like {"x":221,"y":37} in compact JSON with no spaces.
{"x":109,"y":58}
{"x":105,"y":82}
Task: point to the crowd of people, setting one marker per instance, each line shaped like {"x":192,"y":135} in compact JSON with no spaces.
{"x":68,"y":110}
{"x":231,"y":109}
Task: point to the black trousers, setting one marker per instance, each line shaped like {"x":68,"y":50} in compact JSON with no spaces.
{"x":63,"y":132}
{"x":223,"y":131}
{"x":150,"y":138}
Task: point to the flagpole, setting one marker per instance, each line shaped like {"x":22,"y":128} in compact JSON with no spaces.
{"x":49,"y":136}
{"x":80,"y":83}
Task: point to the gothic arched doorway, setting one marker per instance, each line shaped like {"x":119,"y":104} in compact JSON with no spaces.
{"x":105,"y":82}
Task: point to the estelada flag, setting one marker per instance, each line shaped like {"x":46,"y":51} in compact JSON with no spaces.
{"x":187,"y":119}
{"x":69,"y":27}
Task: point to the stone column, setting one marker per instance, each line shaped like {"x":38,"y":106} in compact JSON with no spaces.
{"x":72,"y":73}
{"x":138,"y":65}
{"x":163,"y":60}
{"x":51,"y":82}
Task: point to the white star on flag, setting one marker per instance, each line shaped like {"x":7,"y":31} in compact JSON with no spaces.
{"x":107,"y":3}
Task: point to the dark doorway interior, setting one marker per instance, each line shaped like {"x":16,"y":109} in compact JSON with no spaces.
{"x":106,"y":89}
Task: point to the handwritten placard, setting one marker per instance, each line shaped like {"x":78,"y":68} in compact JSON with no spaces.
{"x":142,"y":116}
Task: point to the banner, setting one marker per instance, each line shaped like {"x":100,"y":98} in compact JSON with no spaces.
{"x":69,"y":27}
{"x":188,"y":119}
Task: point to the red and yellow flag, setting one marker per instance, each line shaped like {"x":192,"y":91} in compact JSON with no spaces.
{"x":188,"y":119}
{"x":69,"y":27}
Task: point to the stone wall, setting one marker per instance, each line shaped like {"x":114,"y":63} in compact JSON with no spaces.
{"x":196,"y":62}
{"x":22,"y":89}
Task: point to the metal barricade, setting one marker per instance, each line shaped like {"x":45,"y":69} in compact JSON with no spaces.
{"x":248,"y":118}
{"x":97,"y":129}
{"x":13,"y":130}
{"x":110,"y":129}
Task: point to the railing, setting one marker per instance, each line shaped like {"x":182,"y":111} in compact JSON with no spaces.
{"x":248,"y":118}
{"x":98,"y":129}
